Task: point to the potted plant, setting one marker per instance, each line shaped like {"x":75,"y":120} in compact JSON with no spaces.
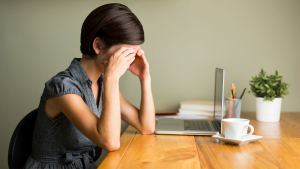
{"x":269,"y":91}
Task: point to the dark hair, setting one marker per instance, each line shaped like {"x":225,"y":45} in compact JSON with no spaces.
{"x":113,"y":24}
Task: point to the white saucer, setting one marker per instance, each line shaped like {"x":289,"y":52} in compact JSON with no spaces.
{"x":247,"y":139}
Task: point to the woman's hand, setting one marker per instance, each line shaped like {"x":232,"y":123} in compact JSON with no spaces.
{"x":119,"y":62}
{"x":140,"y":66}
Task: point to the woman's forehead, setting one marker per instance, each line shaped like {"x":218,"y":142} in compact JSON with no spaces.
{"x":134,"y":47}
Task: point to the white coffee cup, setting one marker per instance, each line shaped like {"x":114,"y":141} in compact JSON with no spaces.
{"x":236,"y":128}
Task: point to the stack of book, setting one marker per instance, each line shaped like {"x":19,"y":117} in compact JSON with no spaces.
{"x":197,"y":107}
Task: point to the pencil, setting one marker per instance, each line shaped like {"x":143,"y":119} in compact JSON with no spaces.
{"x":243,"y":93}
{"x":231,"y":101}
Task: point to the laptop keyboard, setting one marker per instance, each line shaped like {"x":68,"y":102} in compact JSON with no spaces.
{"x":196,"y":125}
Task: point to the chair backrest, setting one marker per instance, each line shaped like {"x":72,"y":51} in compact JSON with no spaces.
{"x":20,"y":142}
{"x":98,"y":151}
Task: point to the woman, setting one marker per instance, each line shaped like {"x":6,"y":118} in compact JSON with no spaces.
{"x":82,"y":106}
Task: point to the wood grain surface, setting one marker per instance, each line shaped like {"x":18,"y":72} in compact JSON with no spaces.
{"x":113,"y":158}
{"x":279,"y":148}
{"x":161,"y":151}
{"x":217,"y":154}
{"x":281,"y":139}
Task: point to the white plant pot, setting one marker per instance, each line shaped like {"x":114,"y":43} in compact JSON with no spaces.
{"x":268,"y":111}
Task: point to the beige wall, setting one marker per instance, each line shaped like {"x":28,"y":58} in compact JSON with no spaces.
{"x":185,"y":41}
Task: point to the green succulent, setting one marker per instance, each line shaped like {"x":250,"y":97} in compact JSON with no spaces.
{"x":268,"y":86}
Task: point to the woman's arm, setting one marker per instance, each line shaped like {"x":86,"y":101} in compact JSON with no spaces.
{"x":103,"y":131}
{"x":143,"y":119}
{"x":109,"y":125}
{"x":147,"y":110}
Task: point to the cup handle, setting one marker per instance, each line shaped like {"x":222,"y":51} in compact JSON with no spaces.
{"x":251,"y":132}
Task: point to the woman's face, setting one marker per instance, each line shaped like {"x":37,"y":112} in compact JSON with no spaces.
{"x":105,"y":55}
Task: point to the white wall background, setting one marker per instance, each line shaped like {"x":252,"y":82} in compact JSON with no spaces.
{"x":185,"y":41}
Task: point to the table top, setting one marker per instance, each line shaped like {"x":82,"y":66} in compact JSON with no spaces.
{"x":279,"y":148}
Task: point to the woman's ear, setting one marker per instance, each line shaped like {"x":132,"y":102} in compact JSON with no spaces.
{"x":96,"y":45}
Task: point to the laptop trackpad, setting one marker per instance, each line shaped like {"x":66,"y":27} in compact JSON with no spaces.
{"x":169,"y":126}
{"x":169,"y":123}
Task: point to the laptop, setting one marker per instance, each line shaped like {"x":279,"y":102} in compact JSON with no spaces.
{"x":195,"y":126}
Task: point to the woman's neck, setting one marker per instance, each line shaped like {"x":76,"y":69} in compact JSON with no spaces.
{"x":90,"y":68}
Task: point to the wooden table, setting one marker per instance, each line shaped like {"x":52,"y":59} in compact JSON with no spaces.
{"x":279,"y":148}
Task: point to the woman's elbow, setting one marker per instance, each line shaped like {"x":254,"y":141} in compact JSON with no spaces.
{"x":112,"y":146}
{"x":109,"y":144}
{"x":148,"y":131}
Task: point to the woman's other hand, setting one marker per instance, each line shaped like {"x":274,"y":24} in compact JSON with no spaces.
{"x":140,"y":66}
{"x":119,"y":62}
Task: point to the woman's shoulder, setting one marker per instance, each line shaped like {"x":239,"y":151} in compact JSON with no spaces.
{"x":63,"y":83}
{"x":63,"y":77}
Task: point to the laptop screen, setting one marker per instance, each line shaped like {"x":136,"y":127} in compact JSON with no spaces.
{"x":219,"y":95}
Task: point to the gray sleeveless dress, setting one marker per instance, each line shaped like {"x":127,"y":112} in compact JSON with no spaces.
{"x":57,"y":143}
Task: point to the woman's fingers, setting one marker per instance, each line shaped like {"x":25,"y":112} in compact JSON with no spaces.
{"x":119,"y":51}
{"x":131,"y":60}
{"x":127,"y":52}
{"x":119,"y":62}
{"x":126,"y":55}
{"x":140,"y":52}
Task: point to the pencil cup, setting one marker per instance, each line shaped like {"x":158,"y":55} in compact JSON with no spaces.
{"x":233,"y":108}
